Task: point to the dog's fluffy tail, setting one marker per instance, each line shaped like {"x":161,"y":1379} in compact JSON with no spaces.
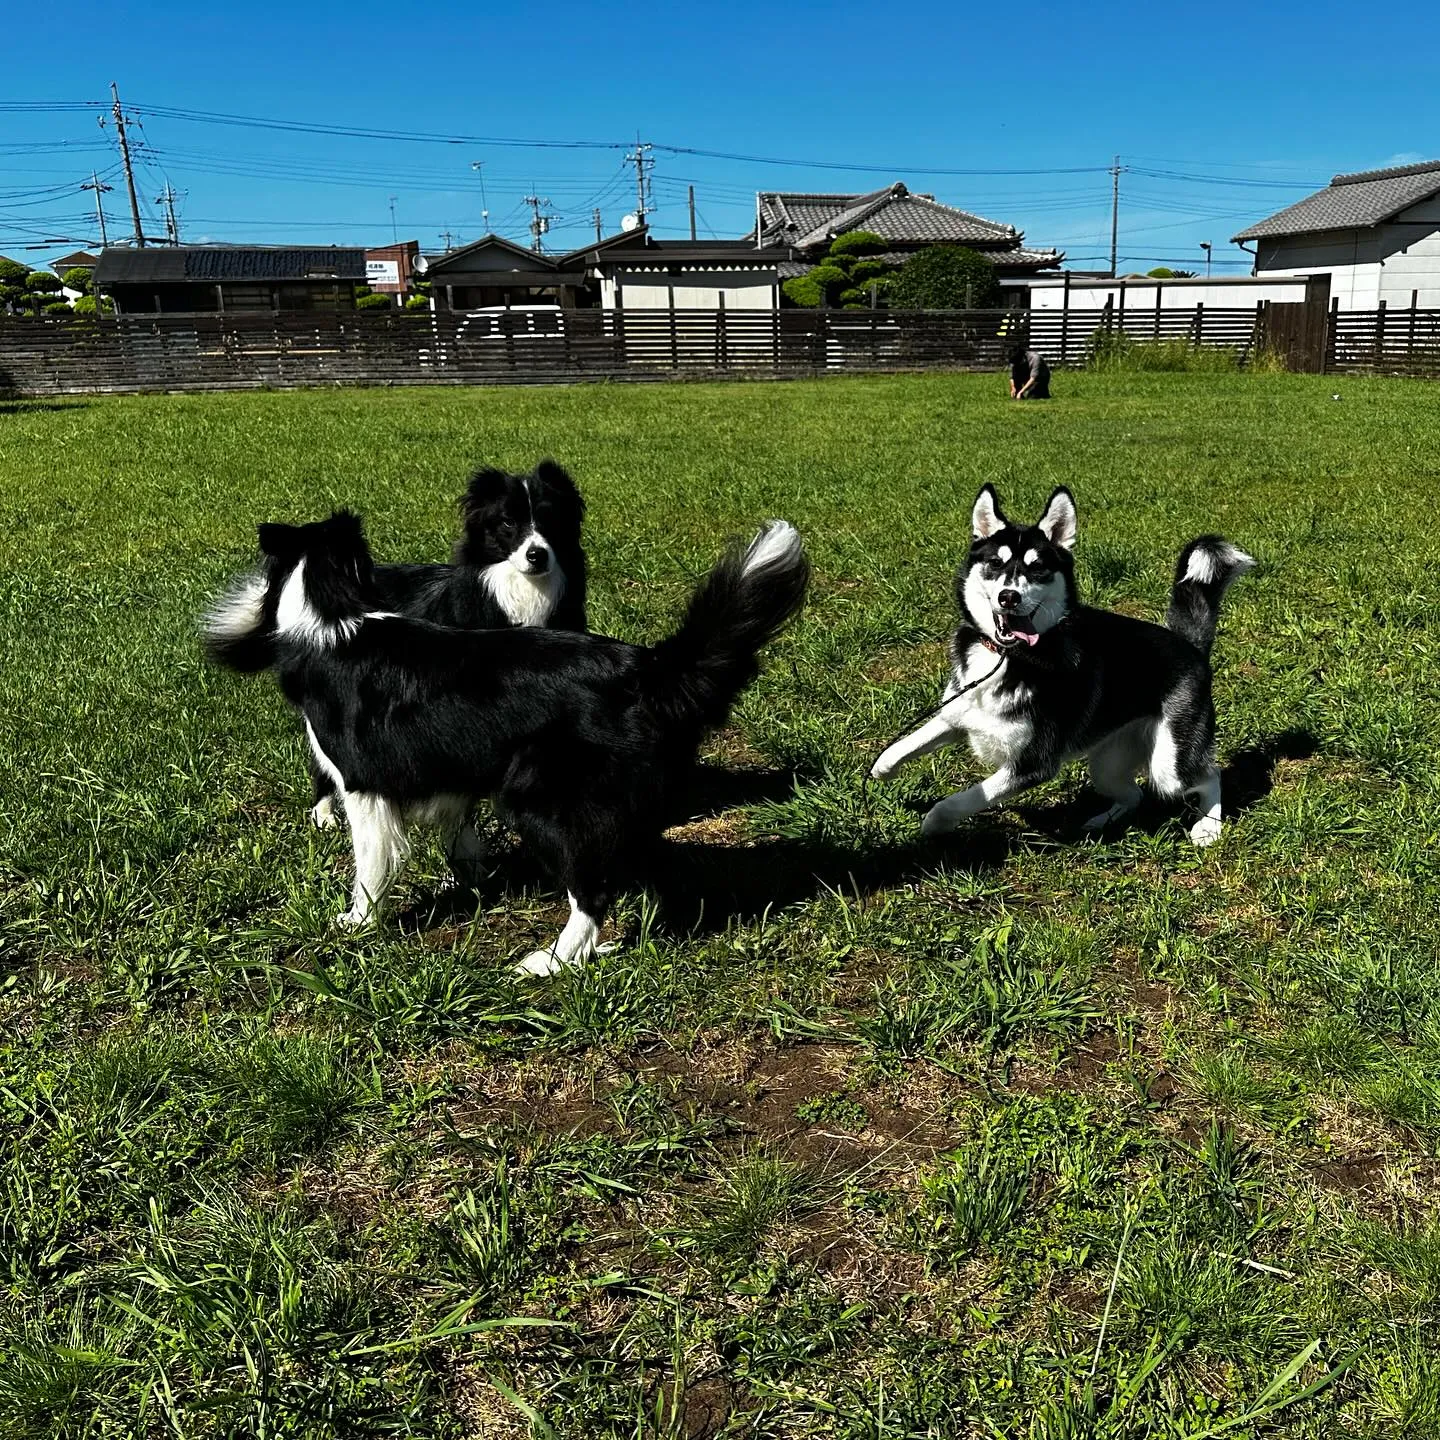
{"x":1207,"y":568}
{"x":745,"y":601}
{"x":238,"y":630}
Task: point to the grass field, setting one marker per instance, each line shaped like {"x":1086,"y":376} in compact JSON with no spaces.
{"x":1024,"y":1135}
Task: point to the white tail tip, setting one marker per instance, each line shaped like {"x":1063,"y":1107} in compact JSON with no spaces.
{"x":238,"y":612}
{"x":776,"y":545}
{"x":1209,"y":563}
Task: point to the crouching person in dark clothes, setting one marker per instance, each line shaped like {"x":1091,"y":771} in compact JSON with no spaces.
{"x":1029,"y":375}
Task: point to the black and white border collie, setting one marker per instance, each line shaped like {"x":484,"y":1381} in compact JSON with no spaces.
{"x":520,"y":561}
{"x":581,"y":741}
{"x":1040,"y":679}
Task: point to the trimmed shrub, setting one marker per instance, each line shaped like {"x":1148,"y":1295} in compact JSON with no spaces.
{"x":77,"y":277}
{"x":853,"y":299}
{"x":42,"y":282}
{"x":803,"y":291}
{"x":945,"y":277}
{"x":57,"y":307}
{"x":863,"y":270}
{"x":827,"y":275}
{"x":857,"y":243}
{"x":418,"y":302}
{"x":371,"y":301}
{"x":12,"y":272}
{"x":85,"y":305}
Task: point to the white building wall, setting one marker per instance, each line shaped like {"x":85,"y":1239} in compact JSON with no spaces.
{"x":743,"y":290}
{"x":1217,"y":294}
{"x":1386,"y":262}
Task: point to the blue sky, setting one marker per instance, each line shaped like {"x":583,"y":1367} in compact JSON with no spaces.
{"x":1232,"y":111}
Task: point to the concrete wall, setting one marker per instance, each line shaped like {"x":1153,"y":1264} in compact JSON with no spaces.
{"x":698,"y":290}
{"x":1386,"y":262}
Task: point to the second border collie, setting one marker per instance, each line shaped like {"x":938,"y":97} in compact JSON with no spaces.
{"x":581,"y":741}
{"x":520,"y":561}
{"x":1040,"y":679}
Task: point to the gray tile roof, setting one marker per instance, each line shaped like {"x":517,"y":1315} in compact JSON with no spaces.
{"x":807,"y":220}
{"x":206,"y":264}
{"x":1353,"y":202}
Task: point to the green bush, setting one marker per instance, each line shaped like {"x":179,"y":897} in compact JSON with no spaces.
{"x":418,"y":302}
{"x":863,"y":270}
{"x":12,"y":272}
{"x":853,"y":299}
{"x":827,"y":275}
{"x":371,"y":301}
{"x":945,"y":277}
{"x":857,"y":243}
{"x":803,"y":291}
{"x":57,"y":307}
{"x":42,"y":282}
{"x":12,"y":294}
{"x":77,"y":277}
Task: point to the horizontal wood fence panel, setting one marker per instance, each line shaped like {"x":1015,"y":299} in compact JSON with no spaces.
{"x":58,"y":355}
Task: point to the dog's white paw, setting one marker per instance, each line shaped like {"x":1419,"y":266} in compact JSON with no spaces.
{"x":942,"y":819}
{"x":322,"y":814}
{"x":352,"y":920}
{"x":543,"y":963}
{"x":1206,"y":830}
{"x":884,"y":767}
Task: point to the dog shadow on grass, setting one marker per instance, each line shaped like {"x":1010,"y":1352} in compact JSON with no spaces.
{"x":710,"y":872}
{"x":1244,"y":782}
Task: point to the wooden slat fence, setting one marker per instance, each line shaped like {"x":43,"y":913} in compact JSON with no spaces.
{"x":1400,"y":341}
{"x":57,"y":355}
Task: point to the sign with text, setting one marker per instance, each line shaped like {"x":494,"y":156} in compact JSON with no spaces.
{"x":382,"y":272}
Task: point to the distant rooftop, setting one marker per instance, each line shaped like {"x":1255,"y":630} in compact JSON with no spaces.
{"x":1353,"y":202}
{"x":209,"y":264}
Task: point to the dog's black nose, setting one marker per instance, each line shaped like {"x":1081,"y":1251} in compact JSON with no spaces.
{"x":1009,"y":599}
{"x":537,"y":557}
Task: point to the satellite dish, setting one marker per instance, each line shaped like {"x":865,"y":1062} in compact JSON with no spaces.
{"x":630,"y":222}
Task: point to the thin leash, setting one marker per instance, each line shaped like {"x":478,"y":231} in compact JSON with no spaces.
{"x":930,"y":715}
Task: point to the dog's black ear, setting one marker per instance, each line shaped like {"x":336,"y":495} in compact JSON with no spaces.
{"x":1058,"y":522}
{"x":280,"y":542}
{"x":560,"y":489}
{"x":485,"y":488}
{"x":987,"y":518}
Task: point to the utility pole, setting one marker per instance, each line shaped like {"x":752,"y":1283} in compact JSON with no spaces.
{"x":598,"y":233}
{"x":129,"y":172}
{"x":691,"y":189}
{"x":642,"y":162}
{"x":478,"y":166}
{"x":1115,"y":218}
{"x":99,"y":187}
{"x":394,"y":232}
{"x":540,"y":223}
{"x":445,"y":237}
{"x":172,"y":225}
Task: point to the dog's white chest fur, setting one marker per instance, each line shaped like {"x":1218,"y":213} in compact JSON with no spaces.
{"x":527,"y":600}
{"x":995,"y":722}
